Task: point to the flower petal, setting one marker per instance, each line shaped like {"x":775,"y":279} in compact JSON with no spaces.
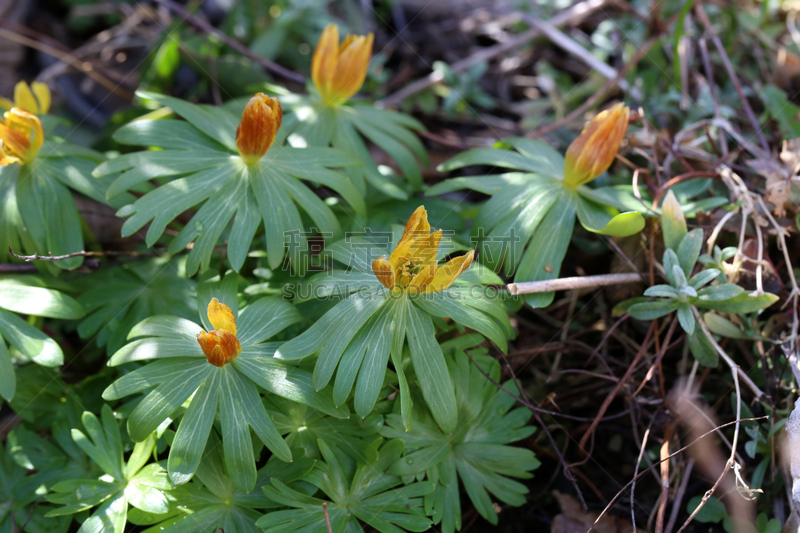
{"x":351,"y":68}
{"x":323,"y":64}
{"x":447,"y":274}
{"x":220,"y":346}
{"x":23,"y":97}
{"x":383,"y":270}
{"x":424,"y":277}
{"x":42,"y":93}
{"x":221,"y":316}
{"x":417,"y":225}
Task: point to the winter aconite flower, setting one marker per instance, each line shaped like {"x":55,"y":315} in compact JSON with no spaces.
{"x":220,"y":344}
{"x":21,"y":136}
{"x":339,"y":70}
{"x":596,"y":147}
{"x":412,"y":266}
{"x":34,"y":99}
{"x":256,"y":132}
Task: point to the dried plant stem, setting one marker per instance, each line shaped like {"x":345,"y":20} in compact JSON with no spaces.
{"x":636,"y":473}
{"x":673,"y":454}
{"x":578,"y":282}
{"x":676,"y":505}
{"x":662,"y":506}
{"x":327,"y":518}
{"x":80,"y":65}
{"x":751,"y":116}
{"x":83,"y":253}
{"x":571,"y":15}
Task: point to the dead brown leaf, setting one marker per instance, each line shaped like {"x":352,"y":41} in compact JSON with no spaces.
{"x":573,"y":519}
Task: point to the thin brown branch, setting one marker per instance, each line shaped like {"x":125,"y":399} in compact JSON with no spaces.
{"x":327,"y":518}
{"x":83,"y":253}
{"x":83,"y":66}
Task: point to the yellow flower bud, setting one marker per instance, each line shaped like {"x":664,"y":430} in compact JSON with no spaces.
{"x":339,"y":70}
{"x":595,"y":148}
{"x":256,"y":132}
{"x":220,"y":345}
{"x":21,"y":137}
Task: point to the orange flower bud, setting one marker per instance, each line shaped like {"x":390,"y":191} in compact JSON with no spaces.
{"x":256,"y":132}
{"x":220,"y":345}
{"x":339,"y":70}
{"x":21,"y":136}
{"x":595,"y":148}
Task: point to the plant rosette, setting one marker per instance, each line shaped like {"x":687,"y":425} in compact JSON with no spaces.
{"x":38,"y":174}
{"x":366,"y":493}
{"x":527,"y":224}
{"x":118,"y":298}
{"x":121,"y":485}
{"x":231,"y":167}
{"x":477,"y":453}
{"x":218,"y":367}
{"x":386,"y":301}
{"x":328,"y":117}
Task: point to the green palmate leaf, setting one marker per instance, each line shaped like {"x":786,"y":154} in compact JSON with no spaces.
{"x":527,"y":224}
{"x":203,"y":166}
{"x":29,"y":466}
{"x":476,"y":453}
{"x":216,"y":500}
{"x":303,"y":427}
{"x":182,"y":371}
{"x":309,"y":122}
{"x":368,"y":494}
{"x":122,"y":485}
{"x":118,"y":298}
{"x":673,"y":221}
{"x":356,"y":337}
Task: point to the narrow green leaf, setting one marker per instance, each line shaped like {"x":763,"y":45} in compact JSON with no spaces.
{"x":673,"y":221}
{"x":431,"y":370}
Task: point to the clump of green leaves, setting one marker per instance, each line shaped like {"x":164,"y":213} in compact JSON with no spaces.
{"x":477,"y":452}
{"x":684,"y":291}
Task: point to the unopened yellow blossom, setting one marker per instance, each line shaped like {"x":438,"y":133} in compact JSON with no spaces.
{"x":339,"y":70}
{"x":34,"y":98}
{"x":596,"y":147}
{"x":256,"y":132}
